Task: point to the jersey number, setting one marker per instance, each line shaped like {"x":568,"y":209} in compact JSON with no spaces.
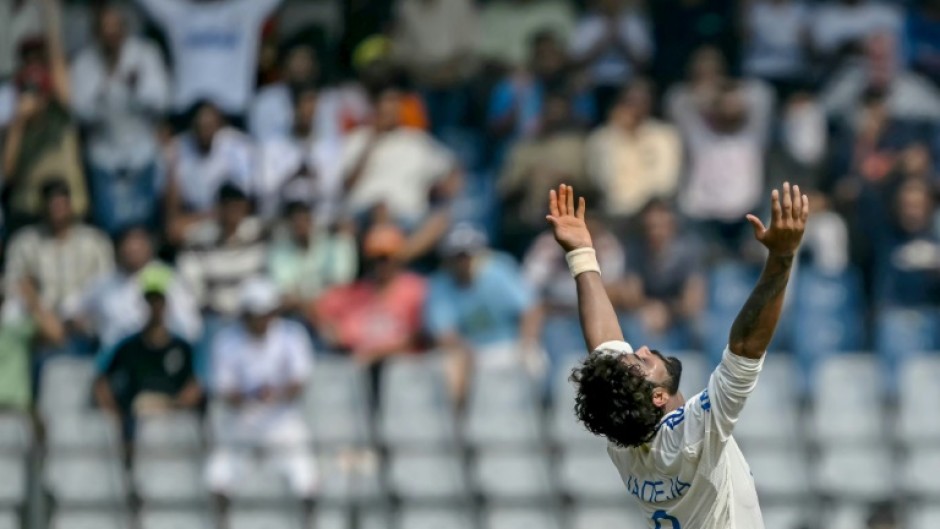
{"x":660,"y":516}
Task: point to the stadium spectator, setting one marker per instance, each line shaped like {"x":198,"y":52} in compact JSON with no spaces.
{"x":19,"y":22}
{"x":867,"y":149}
{"x":272,"y":111}
{"x":826,"y":241}
{"x":24,"y":321}
{"x":922,"y":39}
{"x":480,"y":310}
{"x":546,"y":270}
{"x":907,"y":249}
{"x":725,"y":127}
{"x":776,"y":42}
{"x":680,"y":27}
{"x":260,"y":368}
{"x":508,"y":27}
{"x":119,"y":89}
{"x":308,"y":257}
{"x":220,"y":253}
{"x":555,"y":154}
{"x":517,"y":102}
{"x":380,"y":314}
{"x":41,"y":143}
{"x":841,"y":27}
{"x":909,"y":95}
{"x":301,"y":156}
{"x":613,"y":43}
{"x":64,"y":255}
{"x":437,"y":41}
{"x":113,"y":306}
{"x":801,"y":140}
{"x":151,"y":370}
{"x":214,"y":48}
{"x":665,"y":285}
{"x":634,"y":157}
{"x":403,"y":171}
{"x":199,"y":161}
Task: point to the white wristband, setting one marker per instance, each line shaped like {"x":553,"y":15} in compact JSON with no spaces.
{"x":582,"y":260}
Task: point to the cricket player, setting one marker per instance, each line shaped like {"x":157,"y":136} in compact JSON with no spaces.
{"x":677,"y":456}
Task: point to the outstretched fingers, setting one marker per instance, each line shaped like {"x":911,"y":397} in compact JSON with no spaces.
{"x":805,"y":213}
{"x":787,"y":202}
{"x":553,"y":203}
{"x":582,"y":207}
{"x":797,"y":203}
{"x":776,"y":210}
{"x":758,"y":226}
{"x":571,"y":210}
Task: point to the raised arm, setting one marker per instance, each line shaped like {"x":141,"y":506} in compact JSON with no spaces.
{"x":598,"y":318}
{"x":755,"y":325}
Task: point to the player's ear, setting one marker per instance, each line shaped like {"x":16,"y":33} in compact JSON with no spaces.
{"x":660,"y":397}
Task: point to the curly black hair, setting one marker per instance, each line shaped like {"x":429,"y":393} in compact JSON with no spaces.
{"x":615,"y":400}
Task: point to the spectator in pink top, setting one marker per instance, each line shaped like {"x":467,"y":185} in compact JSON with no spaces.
{"x":379,"y":315}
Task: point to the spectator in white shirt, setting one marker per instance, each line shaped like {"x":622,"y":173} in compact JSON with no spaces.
{"x":840,"y":27}
{"x":119,"y":90}
{"x":725,"y":139}
{"x":199,"y":161}
{"x":613,"y":43}
{"x":400,"y":174}
{"x":113,"y":306}
{"x":260,"y":366}
{"x":214,"y":45}
{"x":300,"y":155}
{"x":272,"y":111}
{"x":776,"y":36}
{"x":908,"y":95}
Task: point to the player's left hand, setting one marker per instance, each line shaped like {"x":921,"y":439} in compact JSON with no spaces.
{"x":790,"y":210}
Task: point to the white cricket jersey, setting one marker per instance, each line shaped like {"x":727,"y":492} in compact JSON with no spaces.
{"x":692,"y":475}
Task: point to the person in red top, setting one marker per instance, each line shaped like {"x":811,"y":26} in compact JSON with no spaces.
{"x":379,"y":315}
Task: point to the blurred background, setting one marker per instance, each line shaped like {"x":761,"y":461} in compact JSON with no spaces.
{"x":283,"y":263}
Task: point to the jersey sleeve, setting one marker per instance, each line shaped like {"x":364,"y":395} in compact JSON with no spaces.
{"x":707,"y":418}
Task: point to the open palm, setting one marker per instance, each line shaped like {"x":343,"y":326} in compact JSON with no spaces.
{"x":568,"y":224}
{"x":789,"y":212}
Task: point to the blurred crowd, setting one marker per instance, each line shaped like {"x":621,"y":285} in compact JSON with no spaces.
{"x":369,"y":178}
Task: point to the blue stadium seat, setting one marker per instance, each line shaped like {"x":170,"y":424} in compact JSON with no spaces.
{"x":900,"y":332}
{"x":826,"y":314}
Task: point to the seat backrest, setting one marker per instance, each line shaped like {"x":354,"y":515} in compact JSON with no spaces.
{"x":518,"y":518}
{"x":848,"y":398}
{"x":255,"y":519}
{"x":174,"y":519}
{"x":589,"y":475}
{"x":16,"y":433}
{"x":171,"y":432}
{"x":83,"y":430}
{"x":64,"y":519}
{"x":427,"y":474}
{"x":168,"y":479}
{"x":13,"y":482}
{"x":513,"y":475}
{"x":87,"y":479}
{"x":66,"y":385}
{"x":426,"y":518}
{"x":919,"y":384}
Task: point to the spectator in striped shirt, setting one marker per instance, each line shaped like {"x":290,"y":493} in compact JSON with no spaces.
{"x":219,"y":254}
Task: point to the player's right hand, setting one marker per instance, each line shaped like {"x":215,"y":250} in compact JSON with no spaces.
{"x":790,"y":210}
{"x":568,"y":224}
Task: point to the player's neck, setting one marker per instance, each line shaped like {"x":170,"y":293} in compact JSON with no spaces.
{"x":674,"y":402}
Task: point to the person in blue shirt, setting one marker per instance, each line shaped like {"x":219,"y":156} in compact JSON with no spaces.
{"x":480,"y":309}
{"x":922,"y":36}
{"x":516,"y":103}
